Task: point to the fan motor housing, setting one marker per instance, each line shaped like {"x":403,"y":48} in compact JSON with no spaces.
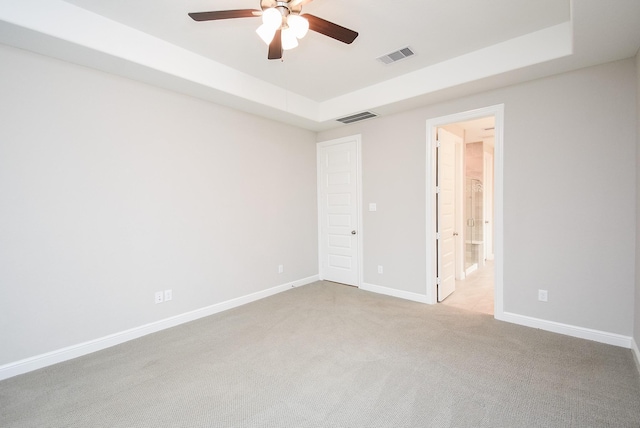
{"x":283,"y":6}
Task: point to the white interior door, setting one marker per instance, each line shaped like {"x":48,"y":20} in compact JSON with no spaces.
{"x":446,"y":212}
{"x":459,"y":208}
{"x":338,"y":206}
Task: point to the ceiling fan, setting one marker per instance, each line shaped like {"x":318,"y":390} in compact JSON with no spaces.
{"x":282,"y":24}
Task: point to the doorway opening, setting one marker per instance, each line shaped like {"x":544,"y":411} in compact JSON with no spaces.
{"x":464,"y":210}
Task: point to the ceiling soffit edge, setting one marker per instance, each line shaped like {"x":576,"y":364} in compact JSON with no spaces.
{"x":167,"y":65}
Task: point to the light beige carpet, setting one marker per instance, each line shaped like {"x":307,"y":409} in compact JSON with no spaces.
{"x":327,"y":355}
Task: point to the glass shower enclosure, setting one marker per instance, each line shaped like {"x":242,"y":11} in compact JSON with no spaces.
{"x":474,"y":230}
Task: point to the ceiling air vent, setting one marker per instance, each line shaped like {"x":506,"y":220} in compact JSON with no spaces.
{"x":357,"y":117}
{"x":396,"y":56}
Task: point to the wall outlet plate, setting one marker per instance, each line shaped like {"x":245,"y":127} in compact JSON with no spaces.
{"x":543,"y":295}
{"x":380,"y":269}
{"x":280,"y":268}
{"x":159,"y":297}
{"x":168,"y":295}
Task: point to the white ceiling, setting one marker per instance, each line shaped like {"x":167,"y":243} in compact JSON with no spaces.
{"x":462,"y":46}
{"x":322,"y":68}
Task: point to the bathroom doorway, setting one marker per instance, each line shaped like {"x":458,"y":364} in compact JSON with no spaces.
{"x":474,"y":232}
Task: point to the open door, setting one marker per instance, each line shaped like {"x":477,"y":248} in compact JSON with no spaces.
{"x":446,"y":212}
{"x":470,"y":126}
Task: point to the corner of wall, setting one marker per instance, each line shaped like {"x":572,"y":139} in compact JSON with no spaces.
{"x":636,"y":353}
{"x":636,"y":324}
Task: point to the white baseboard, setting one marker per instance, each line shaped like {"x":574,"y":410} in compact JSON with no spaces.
{"x":636,"y":353}
{"x":555,"y":327}
{"x":552,"y":326}
{"x":569,"y":330}
{"x":74,"y":351}
{"x":421,"y":298}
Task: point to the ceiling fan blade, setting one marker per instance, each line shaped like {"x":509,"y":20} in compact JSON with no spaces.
{"x":224,"y":14}
{"x":330,"y":29}
{"x":293,"y":3}
{"x":275,"y":47}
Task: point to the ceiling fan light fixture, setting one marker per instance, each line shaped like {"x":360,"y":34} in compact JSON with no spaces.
{"x":289,"y":40}
{"x":298,"y":25}
{"x":282,"y":24}
{"x":266,"y":33}
{"x":272,"y":18}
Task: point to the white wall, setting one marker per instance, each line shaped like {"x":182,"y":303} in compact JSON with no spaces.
{"x":569,"y":195}
{"x":111,"y":190}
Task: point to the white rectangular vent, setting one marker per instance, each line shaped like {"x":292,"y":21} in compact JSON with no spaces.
{"x":357,"y":117}
{"x":396,"y":56}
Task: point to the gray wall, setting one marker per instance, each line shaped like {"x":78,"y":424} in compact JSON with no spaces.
{"x":636,"y":331}
{"x":111,"y":190}
{"x":569,"y":195}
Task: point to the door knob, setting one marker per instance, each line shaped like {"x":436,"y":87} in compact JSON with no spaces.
{"x":353,"y":232}
{"x":455,"y":233}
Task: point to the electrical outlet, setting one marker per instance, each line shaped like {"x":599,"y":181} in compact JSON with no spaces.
{"x":168,"y":295}
{"x":280,"y":268}
{"x":159,"y":297}
{"x":380,"y":269}
{"x":543,"y":295}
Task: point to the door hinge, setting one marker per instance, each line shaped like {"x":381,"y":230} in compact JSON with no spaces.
{"x":437,"y":235}
{"x":437,"y":143}
{"x":437,"y":281}
{"x":437,"y":189}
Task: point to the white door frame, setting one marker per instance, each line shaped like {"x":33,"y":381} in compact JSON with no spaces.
{"x":431,"y":263}
{"x":319,"y":146}
{"x":460,"y":221}
{"x":488,"y":206}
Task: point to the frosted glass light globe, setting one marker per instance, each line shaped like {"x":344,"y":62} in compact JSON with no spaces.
{"x":298,"y":24}
{"x":266,"y":33}
{"x":272,"y":18}
{"x":289,"y":40}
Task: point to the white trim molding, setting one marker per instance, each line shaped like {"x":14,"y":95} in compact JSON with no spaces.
{"x":407,"y":295}
{"x":570,"y":330}
{"x":75,"y":351}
